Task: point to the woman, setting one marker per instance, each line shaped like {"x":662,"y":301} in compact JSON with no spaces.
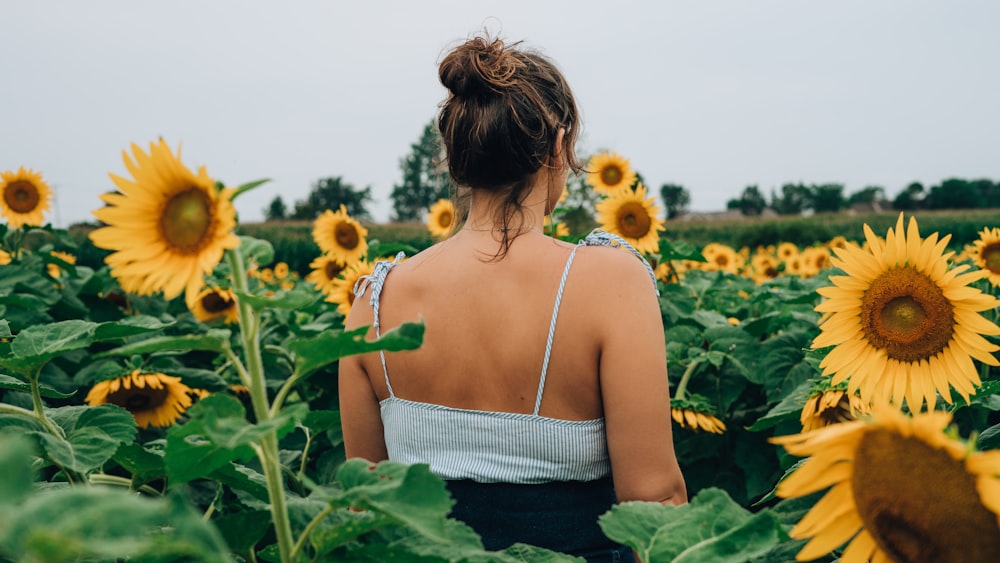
{"x":540,"y":391}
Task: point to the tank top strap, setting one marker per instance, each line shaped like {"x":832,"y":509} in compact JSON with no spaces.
{"x":597,"y":237}
{"x":375,"y":281}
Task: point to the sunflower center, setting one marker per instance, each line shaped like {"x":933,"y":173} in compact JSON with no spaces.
{"x":445,"y":219}
{"x":186,"y":221}
{"x":633,"y":220}
{"x":21,"y":196}
{"x":612,"y":175}
{"x":216,"y":302}
{"x":919,"y":503}
{"x":906,"y":314}
{"x":138,"y":399}
{"x":333,"y":269}
{"x":346,"y":235}
{"x":991,"y":257}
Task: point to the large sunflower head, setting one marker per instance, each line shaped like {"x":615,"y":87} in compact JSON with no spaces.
{"x":168,"y":226}
{"x":633,"y":216}
{"x":325,"y":270}
{"x":900,"y":489}
{"x":24,"y":197}
{"x":608,"y":172}
{"x":343,"y":287}
{"x":441,"y":218}
{"x":986,"y":254}
{"x":338,"y":234}
{"x":154,"y":399}
{"x":903,"y":324}
{"x":213,"y":303}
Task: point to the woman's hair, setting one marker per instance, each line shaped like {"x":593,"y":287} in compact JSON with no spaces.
{"x":500,"y":121}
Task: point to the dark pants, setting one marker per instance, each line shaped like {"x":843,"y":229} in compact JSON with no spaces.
{"x":560,"y":516}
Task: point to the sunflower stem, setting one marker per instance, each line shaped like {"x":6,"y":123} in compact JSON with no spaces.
{"x":681,"y":392}
{"x":309,"y":529}
{"x":36,"y":400}
{"x":286,"y":388}
{"x":268,"y":444}
{"x":104,"y":479}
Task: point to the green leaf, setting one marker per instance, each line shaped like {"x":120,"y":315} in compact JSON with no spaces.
{"x":145,"y":465}
{"x":93,"y":435}
{"x":5,"y":329}
{"x":242,"y":478}
{"x":712,"y":528}
{"x":989,"y":439}
{"x":97,"y":523}
{"x":242,"y":530}
{"x":788,"y":409}
{"x":679,"y":250}
{"x":321,"y":421}
{"x":129,"y":326}
{"x":15,"y":465}
{"x":349,"y":526}
{"x":314,"y":353}
{"x":14,"y":384}
{"x":255,"y":250}
{"x":411,"y":495}
{"x":38,"y":344}
{"x":214,"y":340}
{"x":295,"y":299}
{"x":218,"y":433}
{"x":243,"y":188}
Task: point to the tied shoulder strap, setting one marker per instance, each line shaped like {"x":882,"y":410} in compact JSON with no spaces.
{"x":600,"y":237}
{"x":375,"y":281}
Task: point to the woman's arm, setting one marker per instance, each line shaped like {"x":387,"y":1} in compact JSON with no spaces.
{"x":634,"y":387}
{"x":361,"y":420}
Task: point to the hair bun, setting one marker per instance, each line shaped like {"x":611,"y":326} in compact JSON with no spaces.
{"x":479,"y":67}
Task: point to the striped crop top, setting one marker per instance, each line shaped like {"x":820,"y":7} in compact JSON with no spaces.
{"x":489,"y":446}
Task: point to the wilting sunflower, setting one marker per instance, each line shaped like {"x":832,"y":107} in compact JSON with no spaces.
{"x":608,"y":173}
{"x":901,"y":488}
{"x":212,"y":303}
{"x":632,"y":216}
{"x":441,"y":218}
{"x":694,"y":416}
{"x":53,"y":269}
{"x":343,"y":288}
{"x":336,"y":233}
{"x":24,"y":197}
{"x":154,"y":399}
{"x":986,"y":254}
{"x":828,"y":405}
{"x":168,"y":226}
{"x":903,"y":324}
{"x":325,"y":270}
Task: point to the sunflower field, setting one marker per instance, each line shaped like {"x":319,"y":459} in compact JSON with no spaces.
{"x":177,"y":401}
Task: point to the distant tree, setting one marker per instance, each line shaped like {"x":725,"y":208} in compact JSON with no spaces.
{"x":734,"y":203}
{"x":955,"y":193}
{"x":331,"y":193}
{"x":425,"y":178}
{"x":751,"y":202}
{"x":276,"y":210}
{"x":676,"y":199}
{"x":794,"y":199}
{"x":910,"y":198}
{"x":827,"y":198}
{"x":871,"y":195}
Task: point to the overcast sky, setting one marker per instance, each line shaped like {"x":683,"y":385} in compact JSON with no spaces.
{"x":712,"y":95}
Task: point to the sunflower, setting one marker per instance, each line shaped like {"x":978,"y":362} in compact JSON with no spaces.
{"x":281,"y":270}
{"x":903,"y":324}
{"x":441,"y":218}
{"x":152,"y":398}
{"x":815,"y":259}
{"x":212,"y":303}
{"x":632,"y":216}
{"x":694,"y":416}
{"x":4,"y":257}
{"x":721,"y":258}
{"x":25,"y":197}
{"x":986,"y":254}
{"x":787,"y":250}
{"x":342,"y":292}
{"x":901,"y":488}
{"x":325,"y":270}
{"x":53,"y":269}
{"x":828,"y":405}
{"x":168,"y":226}
{"x":338,"y":234}
{"x":764,"y":267}
{"x":609,"y":173}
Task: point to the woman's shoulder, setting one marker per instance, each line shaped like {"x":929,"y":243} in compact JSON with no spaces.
{"x":611,"y":260}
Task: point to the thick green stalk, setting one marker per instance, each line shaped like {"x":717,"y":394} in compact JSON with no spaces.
{"x":681,"y":392}
{"x":36,"y":400}
{"x":268,"y":451}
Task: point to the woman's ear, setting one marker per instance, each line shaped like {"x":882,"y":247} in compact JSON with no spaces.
{"x":557,"y":147}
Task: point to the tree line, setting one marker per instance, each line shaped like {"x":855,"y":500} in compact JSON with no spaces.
{"x":425,"y":180}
